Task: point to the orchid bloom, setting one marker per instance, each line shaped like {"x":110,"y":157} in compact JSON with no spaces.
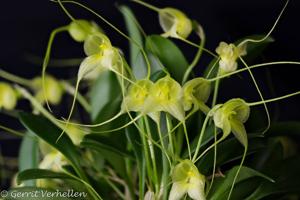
{"x":137,"y":95}
{"x":187,"y":179}
{"x":196,"y":92}
{"x":53,"y":90}
{"x":101,"y":56}
{"x":230,"y":118}
{"x":175,"y":23}
{"x":229,"y":53}
{"x":80,"y":29}
{"x":8,"y":96}
{"x":165,"y":95}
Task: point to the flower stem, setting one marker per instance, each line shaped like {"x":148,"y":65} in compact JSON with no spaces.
{"x":15,"y":79}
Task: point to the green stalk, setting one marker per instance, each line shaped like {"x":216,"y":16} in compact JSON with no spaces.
{"x":152,"y":154}
{"x":15,"y":79}
{"x":165,"y":160}
{"x":200,"y":138}
{"x":194,"y":62}
{"x":169,"y":128}
{"x":146,"y":153}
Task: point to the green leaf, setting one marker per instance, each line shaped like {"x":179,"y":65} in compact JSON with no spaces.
{"x":30,"y":192}
{"x":134,"y":140}
{"x":285,"y":128}
{"x":112,"y":155}
{"x":287,"y":176}
{"x":137,"y":63}
{"x":114,"y":142}
{"x":228,"y":151}
{"x":169,"y":54}
{"x":30,"y":174}
{"x":255,"y":49}
{"x":29,"y":155}
{"x":44,"y":129}
{"x":105,"y":97}
{"x":222,"y":186}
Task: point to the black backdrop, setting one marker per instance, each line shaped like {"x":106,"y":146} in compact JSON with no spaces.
{"x":26,"y":25}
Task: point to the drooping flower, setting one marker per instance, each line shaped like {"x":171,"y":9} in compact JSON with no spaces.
{"x":8,"y":96}
{"x":101,"y":56}
{"x":196,"y":92}
{"x":230,"y":117}
{"x":229,"y":53}
{"x":53,"y":89}
{"x":174,"y":23}
{"x":186,"y":179}
{"x":80,"y":29}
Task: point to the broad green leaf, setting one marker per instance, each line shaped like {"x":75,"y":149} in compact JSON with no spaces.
{"x":105,"y":97}
{"x":169,"y":54}
{"x":47,"y":131}
{"x":138,"y":65}
{"x":228,"y":151}
{"x":222,"y":185}
{"x":29,"y":155}
{"x":112,"y":155}
{"x":32,"y":174}
{"x":157,"y":75}
{"x":255,"y":49}
{"x":134,"y":140}
{"x":114,"y":142}
{"x":286,"y":174}
{"x":291,"y":128}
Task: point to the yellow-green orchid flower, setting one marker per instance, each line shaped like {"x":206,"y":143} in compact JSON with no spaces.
{"x":175,"y":23}
{"x":137,"y":95}
{"x":229,"y":53}
{"x":53,"y":89}
{"x":187,"y":179}
{"x":8,"y":96}
{"x":101,"y":56}
{"x":196,"y":92}
{"x":166,"y":95}
{"x":230,"y":118}
{"x":80,"y":29}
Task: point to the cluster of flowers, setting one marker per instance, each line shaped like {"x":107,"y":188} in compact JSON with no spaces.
{"x":149,"y":98}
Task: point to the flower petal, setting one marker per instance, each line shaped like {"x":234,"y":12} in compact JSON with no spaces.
{"x":239,"y":131}
{"x":178,"y":190}
{"x":196,"y":188}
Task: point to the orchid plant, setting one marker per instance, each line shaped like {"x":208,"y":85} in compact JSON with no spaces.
{"x":156,"y":129}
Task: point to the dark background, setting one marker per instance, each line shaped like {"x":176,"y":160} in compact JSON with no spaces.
{"x":26,"y":25}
